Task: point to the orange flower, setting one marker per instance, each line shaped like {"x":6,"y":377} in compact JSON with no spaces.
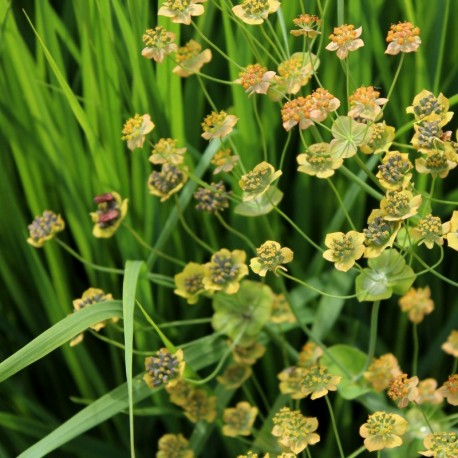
{"x":449,"y":390}
{"x":451,"y":346}
{"x":403,"y":390}
{"x":344,"y":39}
{"x":402,"y":37}
{"x":417,"y":303}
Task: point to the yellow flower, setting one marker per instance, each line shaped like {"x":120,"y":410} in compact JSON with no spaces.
{"x":294,"y":431}
{"x":255,"y":12}
{"x":218,"y":125}
{"x":449,"y":390}
{"x":224,"y":161}
{"x":189,"y":282}
{"x":256,"y":182}
{"x":291,"y":381}
{"x":44,"y":228}
{"x":281,"y":310}
{"x":380,"y":234}
{"x":399,"y":205}
{"x":393,"y":171}
{"x":441,"y":445}
{"x":316,"y":161}
{"x":200,"y":406}
{"x":91,"y":296}
{"x":382,"y":430}
{"x":344,"y":249}
{"x":213,"y":199}
{"x":180,"y":391}
{"x":270,"y":257}
{"x":309,"y":355}
{"x":159,"y":43}
{"x":381,"y":138}
{"x":435,"y":163}
{"x":417,"y":303}
{"x":166,"y":151}
{"x":382,"y":371}
{"x":308,"y":25}
{"x":167,"y":182}
{"x":427,"y":392}
{"x":403,"y":390}
{"x":234,"y":376}
{"x":365,"y":103}
{"x":135,"y":130}
{"x":402,"y":37}
{"x":225,"y":270}
{"x":317,"y":381}
{"x":174,"y":446}
{"x":239,"y":420}
{"x":451,"y":346}
{"x":180,"y":11}
{"x":111,"y":210}
{"x":452,"y":233}
{"x":430,"y":231}
{"x":427,"y":107}
{"x":190,"y":59}
{"x":255,"y":79}
{"x":344,"y":39}
{"x":163,"y":368}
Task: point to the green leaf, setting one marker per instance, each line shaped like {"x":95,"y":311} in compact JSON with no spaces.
{"x":386,"y":275}
{"x":261,"y":205}
{"x":353,"y":360}
{"x":348,"y":135}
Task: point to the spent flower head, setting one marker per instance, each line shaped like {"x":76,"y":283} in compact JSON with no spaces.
{"x":44,"y":228}
{"x":271,"y":256}
{"x":417,"y":303}
{"x":189,"y":282}
{"x":135,"y":130}
{"x":402,"y":37}
{"x":317,"y":161}
{"x":166,"y":151}
{"x":344,"y":249}
{"x":256,"y":182}
{"x":212,"y":200}
{"x":441,"y":445}
{"x":248,"y":354}
{"x":293,"y":73}
{"x":451,"y":345}
{"x":159,"y":43}
{"x":383,"y":430}
{"x":174,"y":446}
{"x":255,"y":79}
{"x":345,"y":39}
{"x":225,"y":270}
{"x":294,"y":431}
{"x":430,"y":231}
{"x":291,"y":381}
{"x":426,"y":106}
{"x":190,"y":59}
{"x":403,"y":390}
{"x":180,"y":11}
{"x":307,"y":25}
{"x":218,"y":125}
{"x":239,"y":420}
{"x":394,"y":171}
{"x":309,"y":355}
{"x":449,"y":390}
{"x":169,"y":180}
{"x":111,"y":210}
{"x":180,"y":391}
{"x":382,"y":371}
{"x":365,"y":103}
{"x":163,"y":368}
{"x":254,"y":12}
{"x":379,"y":234}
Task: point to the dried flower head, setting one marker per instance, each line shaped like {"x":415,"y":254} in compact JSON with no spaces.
{"x":365,"y":103}
{"x":44,"y":228}
{"x":449,"y":390}
{"x":309,"y":355}
{"x":426,"y":106}
{"x":218,"y":125}
{"x":111,"y":210}
{"x":190,"y":59}
{"x":294,"y":431}
{"x":308,"y":25}
{"x":174,"y":446}
{"x":169,"y":180}
{"x":256,"y":182}
{"x":234,"y":376}
{"x":135,"y":130}
{"x":451,"y":346}
{"x":271,"y":256}
{"x":189,"y":282}
{"x":394,"y":170}
{"x":255,"y":12}
{"x":441,"y":445}
{"x":180,"y":11}
{"x":344,"y":249}
{"x":255,"y":79}
{"x":345,"y":39}
{"x":427,"y":392}
{"x":200,"y":406}
{"x":417,"y":303}
{"x":379,"y":234}
{"x":399,"y":205}
{"x":213,"y":199}
{"x":166,"y":151}
{"x":91,"y":296}
{"x":239,"y":420}
{"x":381,"y":138}
{"x":382,"y":371}
{"x":403,"y":390}
{"x":383,"y":430}
{"x":224,"y":161}
{"x":402,"y":37}
{"x":225,"y":270}
{"x":159,"y":43}
{"x":163,"y":368}
{"x":281,"y":310}
{"x":317,"y":161}
{"x":430,"y":231}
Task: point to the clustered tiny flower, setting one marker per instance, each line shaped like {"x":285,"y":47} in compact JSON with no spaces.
{"x":403,"y":37}
{"x":213,"y":199}
{"x":180,"y":11}
{"x":382,"y":371}
{"x":381,"y":138}
{"x":174,"y":446}
{"x":271,"y":256}
{"x":400,"y":205}
{"x":111,"y":211}
{"x":256,"y":182}
{"x":308,"y":25}
{"x":317,"y":161}
{"x":218,"y":125}
{"x":224,"y":161}
{"x":451,"y":345}
{"x":428,"y":393}
{"x":441,"y":445}
{"x":190,"y":59}
{"x":234,"y":376}
{"x":255,"y":79}
{"x":403,"y":390}
{"x":239,"y":420}
{"x":159,"y":43}
{"x":255,"y":12}
{"x":430,"y":231}
{"x":293,"y":73}
{"x":166,"y":182}
{"x":379,"y":234}
{"x":365,"y":103}
{"x":417,"y":303}
{"x":163,"y":368}
{"x":281,"y":310}
{"x":345,"y":39}
{"x":189,"y":283}
{"x":200,"y":406}
{"x":449,"y":390}
{"x":135,"y":130}
{"x":394,"y":171}
{"x":44,"y":228}
{"x":344,"y":249}
{"x":166,"y":151}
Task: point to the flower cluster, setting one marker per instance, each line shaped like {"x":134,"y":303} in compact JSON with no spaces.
{"x":135,"y":130}
{"x":44,"y":228}
{"x":213,"y":199}
{"x":163,"y":368}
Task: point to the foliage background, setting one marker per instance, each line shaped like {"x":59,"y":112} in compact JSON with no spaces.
{"x":60,"y":128}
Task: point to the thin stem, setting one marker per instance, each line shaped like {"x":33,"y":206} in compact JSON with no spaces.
{"x":429,"y":197}
{"x":334,"y":426}
{"x":207,"y":95}
{"x":396,"y":76}
{"x":260,"y":391}
{"x":261,"y":128}
{"x":284,"y":52}
{"x":117,"y":344}
{"x":373,"y":335}
{"x":424,"y":416}
{"x":357,"y":452}
{"x":272,"y":44}
{"x":342,"y":206}
{"x":371,"y":191}
{"x":368,"y":172}
{"x":415,"y":349}
{"x":235,"y":231}
{"x":285,"y":148}
{"x":171,"y":324}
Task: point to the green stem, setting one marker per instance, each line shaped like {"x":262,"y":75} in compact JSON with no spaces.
{"x":424,"y":416}
{"x":342,"y":206}
{"x":207,"y":95}
{"x":285,"y":148}
{"x":357,"y":452}
{"x":235,"y":231}
{"x":260,"y":391}
{"x":272,"y":44}
{"x":368,"y":172}
{"x":396,"y":76}
{"x":373,"y":335}
{"x":117,"y":344}
{"x":415,"y":349}
{"x":442,"y":47}
{"x":171,"y":324}
{"x":371,"y":191}
{"x":334,"y":426}
{"x":261,"y":129}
